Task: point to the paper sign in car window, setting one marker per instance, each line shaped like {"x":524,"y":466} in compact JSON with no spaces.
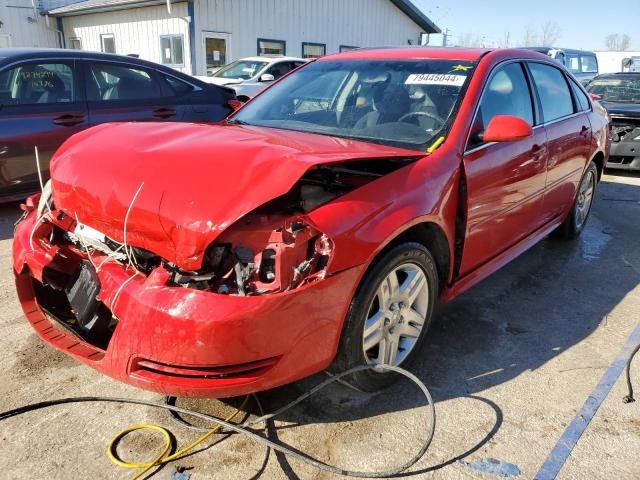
{"x":435,"y":79}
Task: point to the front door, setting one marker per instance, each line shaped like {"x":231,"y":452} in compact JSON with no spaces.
{"x":505,"y":181}
{"x":216,"y":51}
{"x":40,"y":106}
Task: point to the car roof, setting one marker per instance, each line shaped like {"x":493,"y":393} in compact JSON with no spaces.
{"x":10,"y":55}
{"x":426,"y":53}
{"x":272,"y":59}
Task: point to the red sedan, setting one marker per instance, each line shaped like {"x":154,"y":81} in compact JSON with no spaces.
{"x":316,"y":228}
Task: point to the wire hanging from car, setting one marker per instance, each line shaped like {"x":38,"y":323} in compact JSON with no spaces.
{"x":244,"y":428}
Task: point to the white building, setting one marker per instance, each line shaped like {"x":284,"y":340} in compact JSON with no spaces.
{"x":196,"y":35}
{"x":21,"y":25}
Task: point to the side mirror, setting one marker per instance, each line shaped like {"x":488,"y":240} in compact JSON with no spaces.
{"x":595,"y":96}
{"x":267,"y":77}
{"x":506,"y":128}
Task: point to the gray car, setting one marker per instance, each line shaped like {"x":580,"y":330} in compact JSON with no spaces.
{"x":250,"y":75}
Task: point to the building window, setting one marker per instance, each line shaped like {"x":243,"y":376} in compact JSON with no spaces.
{"x":75,"y":43}
{"x":271,"y":47}
{"x":346,"y":48}
{"x":313,"y":50}
{"x":5,"y":41}
{"x":108,"y":43}
{"x":171,"y":47}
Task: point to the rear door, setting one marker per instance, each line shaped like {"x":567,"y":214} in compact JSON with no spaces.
{"x":119,"y":92}
{"x":568,"y":135}
{"x":505,"y":181}
{"x":41,"y":105}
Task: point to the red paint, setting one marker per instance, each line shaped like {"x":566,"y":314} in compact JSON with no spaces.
{"x":200,"y":179}
{"x":506,"y":128}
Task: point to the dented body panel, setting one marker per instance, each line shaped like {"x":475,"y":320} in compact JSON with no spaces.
{"x":227,"y":256}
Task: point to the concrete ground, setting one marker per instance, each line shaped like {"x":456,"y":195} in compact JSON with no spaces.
{"x":509,"y":363}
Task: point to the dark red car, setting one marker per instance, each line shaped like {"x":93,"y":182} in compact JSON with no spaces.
{"x":318,"y":227}
{"x":47,"y":95}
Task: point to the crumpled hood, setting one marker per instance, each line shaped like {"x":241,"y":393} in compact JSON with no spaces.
{"x":198,"y":179}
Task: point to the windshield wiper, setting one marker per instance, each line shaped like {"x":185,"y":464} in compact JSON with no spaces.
{"x":235,"y":121}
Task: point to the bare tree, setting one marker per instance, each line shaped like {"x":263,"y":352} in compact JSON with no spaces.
{"x":551,"y":33}
{"x":505,"y":42}
{"x":471,"y":40}
{"x":625,"y":42}
{"x":530,"y":37}
{"x":612,"y":41}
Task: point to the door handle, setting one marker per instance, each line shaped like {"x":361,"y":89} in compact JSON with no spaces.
{"x":537,"y":152}
{"x":69,"y":119}
{"x":164,"y":112}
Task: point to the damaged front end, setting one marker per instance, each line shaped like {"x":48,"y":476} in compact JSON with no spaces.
{"x":276,"y":248}
{"x":625,"y":143}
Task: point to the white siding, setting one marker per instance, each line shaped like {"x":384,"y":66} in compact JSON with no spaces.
{"x":22,"y":32}
{"x":136,"y":30}
{"x":361,"y":23}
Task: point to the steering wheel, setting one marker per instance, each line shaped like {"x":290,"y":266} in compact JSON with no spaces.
{"x":432,"y":116}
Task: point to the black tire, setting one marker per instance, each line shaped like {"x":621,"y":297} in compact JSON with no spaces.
{"x":350,"y":349}
{"x":573,"y":225}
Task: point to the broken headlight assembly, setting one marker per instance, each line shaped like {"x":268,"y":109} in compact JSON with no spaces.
{"x":262,"y":254}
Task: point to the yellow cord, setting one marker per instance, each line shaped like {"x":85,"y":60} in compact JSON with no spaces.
{"x":161,"y":458}
{"x":439,"y":141}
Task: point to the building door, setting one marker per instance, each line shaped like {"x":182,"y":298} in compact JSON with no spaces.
{"x":216,"y":50}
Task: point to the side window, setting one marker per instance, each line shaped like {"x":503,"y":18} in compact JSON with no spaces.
{"x":38,"y":83}
{"x":573,"y":63}
{"x":108,"y":82}
{"x":179,"y":87}
{"x":581,"y":98}
{"x":279,"y":69}
{"x":507,"y":93}
{"x":588,"y":64}
{"x":553,"y":91}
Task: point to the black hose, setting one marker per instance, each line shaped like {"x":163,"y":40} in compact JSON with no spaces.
{"x":629,"y":397}
{"x":244,"y":430}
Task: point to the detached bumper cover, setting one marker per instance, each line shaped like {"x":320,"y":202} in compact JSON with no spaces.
{"x":186,"y":342}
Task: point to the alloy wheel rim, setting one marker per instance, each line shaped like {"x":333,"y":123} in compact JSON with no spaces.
{"x":396,"y":316}
{"x":585,"y":199}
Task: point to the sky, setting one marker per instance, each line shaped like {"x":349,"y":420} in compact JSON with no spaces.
{"x":583,"y":24}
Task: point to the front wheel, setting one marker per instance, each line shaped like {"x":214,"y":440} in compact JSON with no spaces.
{"x":389,"y":315}
{"x":577,"y":218}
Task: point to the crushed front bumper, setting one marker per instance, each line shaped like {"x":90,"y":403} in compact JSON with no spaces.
{"x":625,"y":147}
{"x":186,"y":342}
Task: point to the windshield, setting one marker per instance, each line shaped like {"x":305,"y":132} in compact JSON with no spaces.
{"x":243,"y":69}
{"x":620,"y":90}
{"x":404,"y":103}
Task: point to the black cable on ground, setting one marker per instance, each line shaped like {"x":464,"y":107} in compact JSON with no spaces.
{"x":244,"y":428}
{"x":629,"y":397}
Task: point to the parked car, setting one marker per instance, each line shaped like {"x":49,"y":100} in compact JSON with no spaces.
{"x":48,"y":95}
{"x":583,"y":64}
{"x":619,"y":93}
{"x":249,"y":76}
{"x":315,"y":228}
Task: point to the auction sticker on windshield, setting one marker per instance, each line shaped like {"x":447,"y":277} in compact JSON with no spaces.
{"x":435,"y":79}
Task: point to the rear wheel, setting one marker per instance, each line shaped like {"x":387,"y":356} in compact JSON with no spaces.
{"x":389,"y":315}
{"x":577,"y":218}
